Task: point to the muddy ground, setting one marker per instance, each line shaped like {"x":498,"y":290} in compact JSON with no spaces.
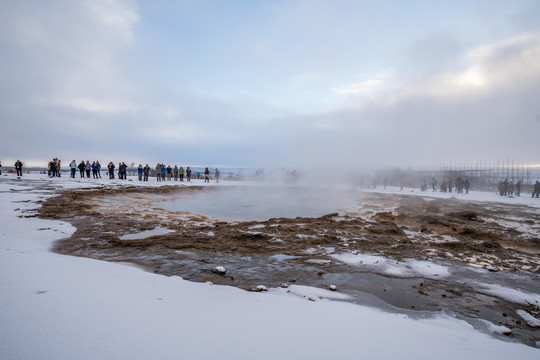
{"x":479,"y":242}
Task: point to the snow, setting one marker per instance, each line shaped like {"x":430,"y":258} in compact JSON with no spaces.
{"x":386,"y":266}
{"x":513,"y":295}
{"x":58,"y":307}
{"x":146,"y":234}
{"x":529,"y":319}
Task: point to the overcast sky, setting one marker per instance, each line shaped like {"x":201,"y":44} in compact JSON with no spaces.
{"x":342,"y":83}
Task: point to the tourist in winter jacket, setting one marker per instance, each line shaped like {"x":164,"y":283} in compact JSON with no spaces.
{"x":98,"y":168}
{"x":94,"y":170}
{"x":181,"y":173}
{"x":158,"y":172}
{"x":73,"y":167}
{"x":518,"y":188}
{"x":81,"y":167}
{"x":163,"y":172}
{"x":188,"y":174}
{"x":111,"y":170}
{"x":140,"y":172}
{"x":52,"y":168}
{"x":88,"y":168}
{"x":18,"y":167}
{"x":206,"y":175}
{"x":0,"y":168}
{"x":146,"y":172}
{"x":122,"y":169}
{"x":466,"y":185}
{"x":217,"y":174}
{"x":536,"y":189}
{"x":169,"y":173}
{"x":58,"y":166}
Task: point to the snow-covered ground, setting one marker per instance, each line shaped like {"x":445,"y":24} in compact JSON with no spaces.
{"x":61,"y":307}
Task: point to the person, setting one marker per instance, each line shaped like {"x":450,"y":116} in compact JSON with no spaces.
{"x":146,"y":171}
{"x":0,"y":168}
{"x":518,"y":188}
{"x":188,"y":174}
{"x":58,"y":167}
{"x":434,"y":183}
{"x":158,"y":172}
{"x":181,"y":173}
{"x":73,"y":167}
{"x":140,"y":172}
{"x":18,"y":167}
{"x":443,"y":185}
{"x":169,"y":172}
{"x":94,"y":170}
{"x":122,"y":171}
{"x":52,"y":168}
{"x":500,"y":186}
{"x":505,"y":187}
{"x":450,"y":185}
{"x":536,"y":189}
{"x":466,"y":185}
{"x":81,"y":168}
{"x":206,"y":175}
{"x":459,"y":185}
{"x":217,"y":175}
{"x":111,"y":170}
{"x":88,"y":167}
{"x":163,"y":172}
{"x":175,"y":172}
{"x":510,"y":188}
{"x":98,"y":168}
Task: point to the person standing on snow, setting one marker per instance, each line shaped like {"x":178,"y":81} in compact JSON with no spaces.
{"x":536,"y":189}
{"x":175,"y":172}
{"x":217,"y":175}
{"x":518,"y":188}
{"x":158,"y":172}
{"x":81,"y":168}
{"x":206,"y":175}
{"x":73,"y":167}
{"x":111,"y":167}
{"x":98,"y":168}
{"x":181,"y":173}
{"x":18,"y":167}
{"x":88,"y":167}
{"x":146,"y":171}
{"x":94,"y":170}
{"x":466,"y":185}
{"x":140,"y":172}
{"x":188,"y":174}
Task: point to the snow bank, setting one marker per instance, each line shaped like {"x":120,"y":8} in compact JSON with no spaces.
{"x":513,"y":295}
{"x":385,"y":266}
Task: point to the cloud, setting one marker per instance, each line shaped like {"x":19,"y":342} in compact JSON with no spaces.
{"x":484,"y":109}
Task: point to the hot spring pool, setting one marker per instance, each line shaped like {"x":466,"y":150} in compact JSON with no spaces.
{"x":260,"y":203}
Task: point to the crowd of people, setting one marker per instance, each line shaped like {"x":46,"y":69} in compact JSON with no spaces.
{"x":458,"y":186}
{"x":163,"y":173}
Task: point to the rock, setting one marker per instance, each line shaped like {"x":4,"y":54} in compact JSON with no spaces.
{"x":284,"y":286}
{"x":261,"y":288}
{"x":320,"y":273}
{"x":311,"y":298}
{"x":220,"y":270}
{"x":333,"y":287}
